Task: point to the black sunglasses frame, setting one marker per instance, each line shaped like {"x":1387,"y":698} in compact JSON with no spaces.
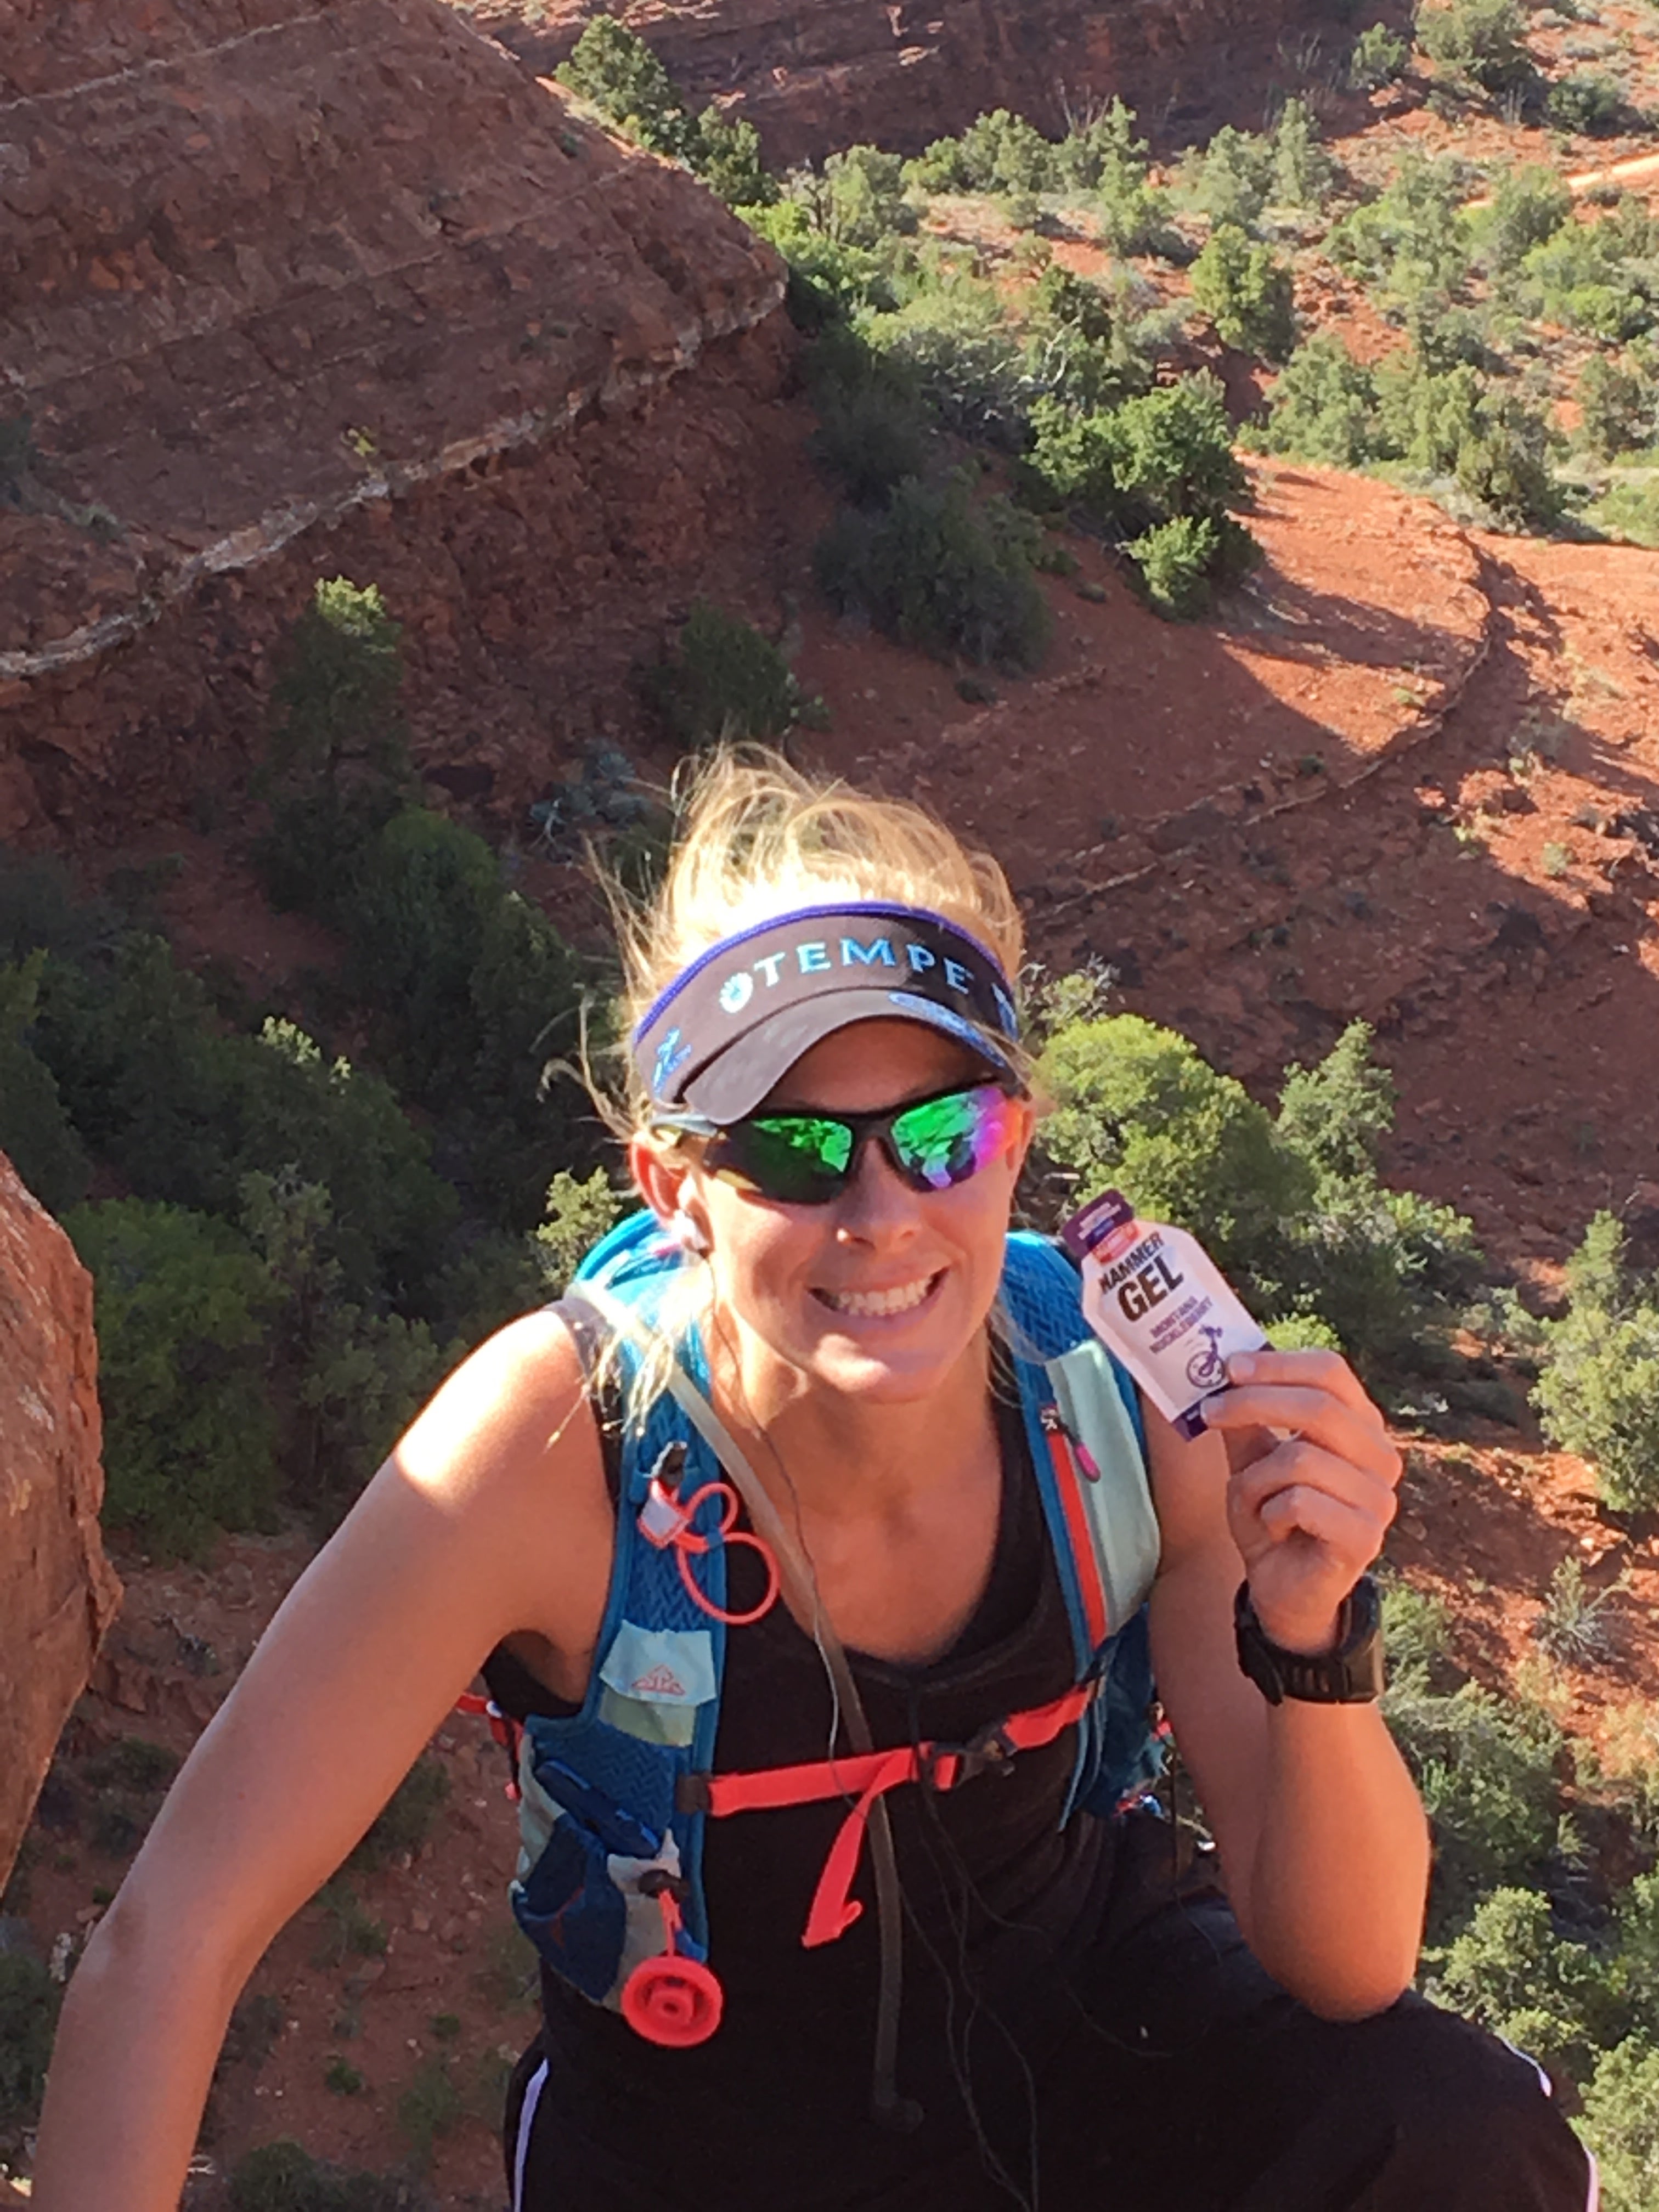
{"x":861,"y":1126}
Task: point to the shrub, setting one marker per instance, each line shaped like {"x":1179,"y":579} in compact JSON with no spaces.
{"x":335,"y":702}
{"x":30,"y":1999}
{"x":871,"y":435}
{"x":1486,"y":1768}
{"x":182,"y":1306}
{"x":1620,"y":2121}
{"x":725,"y":152}
{"x":1303,"y":173}
{"x":999,"y":152}
{"x":940,"y":570}
{"x":1629,"y":512}
{"x":1598,"y":278}
{"x":1414,"y":236}
{"x":1322,"y":405}
{"x":579,"y":1213}
{"x":35,"y":1130}
{"x":1510,"y":1972}
{"x":955,"y":349}
{"x":282,"y":2177}
{"x":1504,"y":464}
{"x":1230,"y":179}
{"x":621,"y":77}
{"x":1138,"y":1106}
{"x":1377,"y":58}
{"x":1174,"y":561}
{"x":723,"y":680}
{"x":1247,"y":293}
{"x":1172,"y":453}
{"x":1478,"y":43}
{"x":1589,"y":102}
{"x":1617,"y":405}
{"x":861,"y":198}
{"x":1529,"y":205}
{"x":1598,"y":1394}
{"x":1336,"y":1114}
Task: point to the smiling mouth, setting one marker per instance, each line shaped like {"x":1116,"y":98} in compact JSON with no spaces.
{"x":881,"y":1305}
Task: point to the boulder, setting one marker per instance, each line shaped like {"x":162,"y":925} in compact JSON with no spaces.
{"x":58,"y":1592}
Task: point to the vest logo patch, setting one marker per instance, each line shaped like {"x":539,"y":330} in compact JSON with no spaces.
{"x":659,"y":1681}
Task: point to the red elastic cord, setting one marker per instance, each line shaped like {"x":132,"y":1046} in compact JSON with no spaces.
{"x":666,"y":1522}
{"x":505,"y":1729}
{"x":871,"y":1775}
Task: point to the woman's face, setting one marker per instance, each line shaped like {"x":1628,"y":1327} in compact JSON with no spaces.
{"x":878,"y":1293}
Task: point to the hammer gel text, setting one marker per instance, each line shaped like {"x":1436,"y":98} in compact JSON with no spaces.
{"x":1153,"y":1296}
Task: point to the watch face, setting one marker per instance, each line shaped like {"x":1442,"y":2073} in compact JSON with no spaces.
{"x":1352,"y":1674}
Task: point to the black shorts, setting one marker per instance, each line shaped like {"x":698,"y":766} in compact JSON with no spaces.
{"x":1189,"y":2082}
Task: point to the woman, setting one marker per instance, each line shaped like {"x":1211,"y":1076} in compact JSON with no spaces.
{"x":830,"y":1118}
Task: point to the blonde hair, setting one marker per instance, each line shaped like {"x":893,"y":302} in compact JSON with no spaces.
{"x":757,"y":837}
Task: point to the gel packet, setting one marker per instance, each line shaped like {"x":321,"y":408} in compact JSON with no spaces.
{"x":1153,"y":1296}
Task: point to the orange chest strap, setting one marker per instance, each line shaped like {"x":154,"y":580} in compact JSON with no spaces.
{"x":862,"y":1777}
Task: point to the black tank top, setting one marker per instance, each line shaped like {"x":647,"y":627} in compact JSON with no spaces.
{"x":996,"y":1893}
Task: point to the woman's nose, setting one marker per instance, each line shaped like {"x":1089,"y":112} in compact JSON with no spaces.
{"x":877,"y":1200}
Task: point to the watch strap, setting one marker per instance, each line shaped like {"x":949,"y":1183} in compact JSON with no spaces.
{"x":1350,"y":1674}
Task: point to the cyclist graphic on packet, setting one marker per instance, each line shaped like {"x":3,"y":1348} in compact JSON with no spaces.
{"x":823,"y":1566}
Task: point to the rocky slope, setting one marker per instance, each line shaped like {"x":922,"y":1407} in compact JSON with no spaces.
{"x":298,"y":289}
{"x":58,"y":1592}
{"x":816,"y":74}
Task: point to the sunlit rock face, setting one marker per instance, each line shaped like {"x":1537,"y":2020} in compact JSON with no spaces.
{"x":58,"y":1592}
{"x":289,"y":283}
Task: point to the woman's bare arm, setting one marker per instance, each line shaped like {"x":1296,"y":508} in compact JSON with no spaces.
{"x":1323,"y":1843}
{"x":490,"y":1515}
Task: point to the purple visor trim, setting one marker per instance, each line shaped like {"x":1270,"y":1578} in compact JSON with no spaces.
{"x":863,"y":908}
{"x":730,"y":1026}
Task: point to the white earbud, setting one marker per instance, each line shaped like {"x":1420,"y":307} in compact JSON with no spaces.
{"x":690,"y":1237}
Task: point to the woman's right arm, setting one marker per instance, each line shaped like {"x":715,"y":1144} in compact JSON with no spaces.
{"x":490,"y":1515}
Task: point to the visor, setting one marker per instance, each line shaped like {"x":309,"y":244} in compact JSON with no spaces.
{"x":730,"y":1026}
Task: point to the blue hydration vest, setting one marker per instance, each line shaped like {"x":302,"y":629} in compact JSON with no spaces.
{"x":611,"y":1814}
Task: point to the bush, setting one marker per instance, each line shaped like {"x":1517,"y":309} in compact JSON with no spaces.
{"x":999,"y":152}
{"x":1617,"y":404}
{"x":860,"y":200}
{"x":1174,"y":562}
{"x":182,"y":1306}
{"x":1486,"y":1768}
{"x":955,"y":348}
{"x":1336,"y":1114}
{"x":621,"y":77}
{"x":1230,"y":179}
{"x":35,"y":1130}
{"x":1137,"y":1105}
{"x":723,"y":681}
{"x":1413,"y":237}
{"x":1621,"y":2122}
{"x":1598,"y":278}
{"x":1510,"y":1972}
{"x":1478,"y":43}
{"x":871,"y":435}
{"x":335,"y":702}
{"x":725,"y":152}
{"x":1598,"y":1393}
{"x":940,"y":570}
{"x":282,"y":2177}
{"x":1171,"y":453}
{"x":1529,"y":205}
{"x":579,"y":1213}
{"x":1377,"y":58}
{"x":1503,"y":466}
{"x":1247,"y":293}
{"x":1323,"y":406}
{"x":1303,"y":173}
{"x":30,"y":1999}
{"x":1587,"y":101}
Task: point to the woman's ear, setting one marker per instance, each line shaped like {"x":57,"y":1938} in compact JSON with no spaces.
{"x":669,"y":1188}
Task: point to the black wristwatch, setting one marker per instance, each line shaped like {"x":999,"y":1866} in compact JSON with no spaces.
{"x":1352,"y":1674}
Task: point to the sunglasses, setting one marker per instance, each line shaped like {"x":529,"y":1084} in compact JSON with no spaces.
{"x":808,"y":1159}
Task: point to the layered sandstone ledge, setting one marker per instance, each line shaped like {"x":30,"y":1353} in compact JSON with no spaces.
{"x":817,"y":74}
{"x":276,"y":264}
{"x":58,"y":1592}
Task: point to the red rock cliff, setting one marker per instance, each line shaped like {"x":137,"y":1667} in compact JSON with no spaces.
{"x":816,"y":74}
{"x":292,"y":287}
{"x":58,"y":1592}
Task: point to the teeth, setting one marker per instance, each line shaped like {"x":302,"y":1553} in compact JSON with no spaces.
{"x":879,"y":1302}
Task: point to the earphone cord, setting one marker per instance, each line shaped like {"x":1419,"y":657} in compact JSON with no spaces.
{"x":800,"y":1586}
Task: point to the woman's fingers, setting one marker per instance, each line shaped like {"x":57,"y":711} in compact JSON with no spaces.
{"x":1308,"y":1411}
{"x":1302,"y":1466}
{"x":1315,"y":1370}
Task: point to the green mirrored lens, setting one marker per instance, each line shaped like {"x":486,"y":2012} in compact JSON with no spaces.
{"x":944,"y":1141}
{"x":791,"y":1156}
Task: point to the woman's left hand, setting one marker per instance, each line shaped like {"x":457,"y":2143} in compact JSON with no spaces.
{"x":1308,"y":1515}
